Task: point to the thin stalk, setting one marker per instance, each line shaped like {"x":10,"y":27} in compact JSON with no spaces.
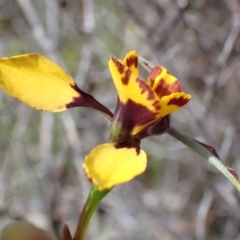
{"x":145,"y":63}
{"x":93,"y":200}
{"x":198,"y":148}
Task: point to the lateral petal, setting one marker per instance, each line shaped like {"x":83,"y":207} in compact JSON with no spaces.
{"x":174,"y":102}
{"x":42,"y":84}
{"x":131,"y":61}
{"x":162,"y":82}
{"x":107,"y":165}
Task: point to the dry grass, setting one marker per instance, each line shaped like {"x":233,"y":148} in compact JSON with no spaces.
{"x":180,"y":196}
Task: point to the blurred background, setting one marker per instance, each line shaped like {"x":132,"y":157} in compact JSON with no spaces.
{"x":180,"y":196}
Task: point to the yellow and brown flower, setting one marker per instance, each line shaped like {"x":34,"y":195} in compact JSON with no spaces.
{"x":142,"y":110}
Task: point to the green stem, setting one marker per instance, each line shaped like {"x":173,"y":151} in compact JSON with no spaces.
{"x":188,"y":141}
{"x":94,"y":198}
{"x":191,"y":143}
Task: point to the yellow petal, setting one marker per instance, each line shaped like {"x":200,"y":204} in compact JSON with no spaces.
{"x":107,"y":165}
{"x":37,"y":81}
{"x":162,"y":82}
{"x":131,"y":61}
{"x":42,"y":84}
{"x":169,"y":89}
{"x":173,"y":102}
{"x":137,"y":99}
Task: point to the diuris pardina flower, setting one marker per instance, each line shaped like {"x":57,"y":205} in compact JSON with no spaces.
{"x":141,"y":110}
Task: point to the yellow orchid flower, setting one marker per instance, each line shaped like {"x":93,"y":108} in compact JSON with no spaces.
{"x":142,"y":110}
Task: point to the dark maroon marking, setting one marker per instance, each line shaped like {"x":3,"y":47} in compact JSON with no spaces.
{"x":145,"y":88}
{"x":132,"y":61}
{"x":178,"y":101}
{"x":154,"y":74}
{"x":159,"y":127}
{"x":125,"y":79}
{"x":131,"y":114}
{"x":165,"y":89}
{"x":119,"y":65}
{"x":88,"y":101}
{"x":119,"y":145}
{"x":156,"y":105}
{"x":142,"y":85}
{"x":130,"y":143}
{"x":233,"y":173}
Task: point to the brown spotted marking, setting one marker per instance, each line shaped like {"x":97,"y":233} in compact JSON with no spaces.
{"x":156,"y":71}
{"x":119,"y":65}
{"x":126,"y":77}
{"x":132,"y":61}
{"x":178,"y":101}
{"x":156,"y":105}
{"x":164,"y":89}
{"x":145,"y":88}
